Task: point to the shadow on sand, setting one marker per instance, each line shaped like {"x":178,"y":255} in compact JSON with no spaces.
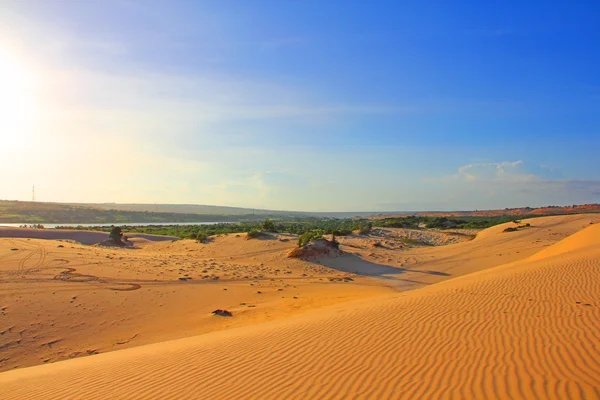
{"x":393,"y":276}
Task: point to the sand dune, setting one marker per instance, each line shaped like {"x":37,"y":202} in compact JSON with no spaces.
{"x":421,"y":266}
{"x":60,"y":300}
{"x":524,"y":329}
{"x":590,"y":238}
{"x":83,"y":237}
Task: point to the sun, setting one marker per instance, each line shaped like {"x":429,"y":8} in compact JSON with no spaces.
{"x":17,"y":102}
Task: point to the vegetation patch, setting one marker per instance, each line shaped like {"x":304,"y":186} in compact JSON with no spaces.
{"x":467,"y":222}
{"x":316,"y":248}
{"x":365,"y":228}
{"x":116,"y":234}
{"x":327,"y":226}
{"x":413,"y":242}
{"x":516,"y":228}
{"x":305,"y":238}
{"x":254,"y":234}
{"x":201,"y":237}
{"x":269,"y":226}
{"x":313,"y":226}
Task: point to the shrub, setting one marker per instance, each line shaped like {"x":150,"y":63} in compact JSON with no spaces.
{"x":365,"y":229}
{"x":201,"y":237}
{"x":192,"y":235}
{"x":335,"y":242}
{"x":269,"y":226}
{"x":116,"y":234}
{"x":342,"y":232}
{"x":305,"y":238}
{"x":253,"y":234}
{"x":514,"y":229}
{"x":413,"y":242}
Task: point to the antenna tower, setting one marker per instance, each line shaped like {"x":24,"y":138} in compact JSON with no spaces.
{"x":33,"y":193}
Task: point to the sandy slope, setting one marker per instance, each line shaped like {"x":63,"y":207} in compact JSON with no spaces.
{"x":61,"y":300}
{"x":422,"y":266}
{"x":526,"y":329}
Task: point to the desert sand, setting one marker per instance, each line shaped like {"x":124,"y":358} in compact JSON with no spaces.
{"x":506,"y":315}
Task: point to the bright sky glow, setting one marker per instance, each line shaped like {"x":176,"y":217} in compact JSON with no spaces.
{"x":17,"y":103}
{"x":312,"y":105}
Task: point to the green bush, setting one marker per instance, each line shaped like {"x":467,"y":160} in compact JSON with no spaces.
{"x":201,"y":237}
{"x":342,"y":232}
{"x":269,"y":226}
{"x":253,"y":234}
{"x":511,"y":229}
{"x":305,"y":238}
{"x":365,"y":229}
{"x":116,"y":234}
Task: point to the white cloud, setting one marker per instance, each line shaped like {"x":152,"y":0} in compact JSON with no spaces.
{"x":510,"y":184}
{"x":505,"y":171}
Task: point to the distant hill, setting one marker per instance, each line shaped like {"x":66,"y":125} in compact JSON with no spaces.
{"x":539,"y":211}
{"x":27,"y":212}
{"x":186,"y":209}
{"x":108,"y":213}
{"x":220,"y":210}
{"x":47,"y":213}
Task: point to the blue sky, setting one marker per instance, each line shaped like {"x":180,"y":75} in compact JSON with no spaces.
{"x":304,"y":105}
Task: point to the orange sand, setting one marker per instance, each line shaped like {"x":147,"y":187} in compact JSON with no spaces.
{"x":523,"y":328}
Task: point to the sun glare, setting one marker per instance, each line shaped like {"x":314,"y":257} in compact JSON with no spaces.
{"x":17,"y":102}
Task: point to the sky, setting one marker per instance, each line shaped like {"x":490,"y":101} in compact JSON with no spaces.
{"x":301,"y":105}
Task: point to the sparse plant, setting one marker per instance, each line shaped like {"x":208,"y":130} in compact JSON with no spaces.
{"x":414,"y":242}
{"x":269,"y":226}
{"x":514,"y":229}
{"x":201,"y":237}
{"x":334,"y":241}
{"x":253,"y":234}
{"x":365,"y":229}
{"x":305,"y":238}
{"x":116,"y":234}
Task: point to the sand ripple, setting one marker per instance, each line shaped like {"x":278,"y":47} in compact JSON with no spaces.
{"x":522,"y":330}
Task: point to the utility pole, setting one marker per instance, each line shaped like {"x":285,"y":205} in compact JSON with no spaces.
{"x":33,"y":193}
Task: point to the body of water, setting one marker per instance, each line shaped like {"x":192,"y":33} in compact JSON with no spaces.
{"x":52,"y":226}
